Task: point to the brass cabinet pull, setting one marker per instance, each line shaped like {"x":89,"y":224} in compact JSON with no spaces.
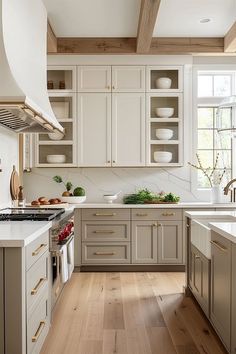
{"x":108,"y":161}
{"x":38,"y":285}
{"x":105,"y":214}
{"x":168,"y":214}
{"x":221,"y":248}
{"x":155,"y":224}
{"x":39,"y":249}
{"x":113,"y":161}
{"x":104,"y":232}
{"x":141,"y":214}
{"x":197,"y":257}
{"x":113,"y":87}
{"x":108,"y":87}
{"x":104,"y":253}
{"x":39,"y":331}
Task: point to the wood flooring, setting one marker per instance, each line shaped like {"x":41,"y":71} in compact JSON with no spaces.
{"x":128,"y":313}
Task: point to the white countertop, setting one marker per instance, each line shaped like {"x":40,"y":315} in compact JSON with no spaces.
{"x":225,"y":229}
{"x":21,"y":233}
{"x":158,"y":206}
{"x":208,"y":214}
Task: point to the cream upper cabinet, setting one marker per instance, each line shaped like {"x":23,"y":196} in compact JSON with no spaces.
{"x":94,"y":78}
{"x":94,"y":127}
{"x":128,"y":78}
{"x":128,"y":129}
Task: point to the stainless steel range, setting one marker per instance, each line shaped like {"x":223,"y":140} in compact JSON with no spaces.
{"x":34,"y":214}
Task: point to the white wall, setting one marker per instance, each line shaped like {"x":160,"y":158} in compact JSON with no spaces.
{"x":9,"y":157}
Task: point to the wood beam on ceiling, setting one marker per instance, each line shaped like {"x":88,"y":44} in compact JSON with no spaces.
{"x":51,"y":40}
{"x":159,"y":45}
{"x":147,"y":19}
{"x":230,"y":40}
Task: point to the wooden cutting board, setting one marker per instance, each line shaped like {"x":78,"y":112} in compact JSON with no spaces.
{"x":59,"y":205}
{"x":14,"y":183}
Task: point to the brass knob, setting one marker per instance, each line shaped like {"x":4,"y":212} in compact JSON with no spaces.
{"x":154,"y":225}
{"x":108,"y":161}
{"x":113,"y":87}
{"x":114,"y":161}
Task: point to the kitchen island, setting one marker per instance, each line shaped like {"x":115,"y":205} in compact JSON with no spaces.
{"x":211,"y":269}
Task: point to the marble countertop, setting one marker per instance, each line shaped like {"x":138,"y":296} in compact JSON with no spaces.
{"x":225,"y":229}
{"x":158,"y":206}
{"x":21,"y":233}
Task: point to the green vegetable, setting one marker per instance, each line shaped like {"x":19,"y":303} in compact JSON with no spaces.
{"x":69,"y":185}
{"x":171,"y":198}
{"x":145,"y":196}
{"x":79,"y":192}
{"x":57,"y":179}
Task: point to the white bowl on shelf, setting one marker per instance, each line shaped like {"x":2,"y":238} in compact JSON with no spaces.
{"x":56,"y":158}
{"x":73,"y":199}
{"x":163,"y":83}
{"x":164,"y":112}
{"x":56,"y":136}
{"x":162,"y":156}
{"x":164,"y":134}
{"x":109,"y":198}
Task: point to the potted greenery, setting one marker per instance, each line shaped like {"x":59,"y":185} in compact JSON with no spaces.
{"x":76,"y":196}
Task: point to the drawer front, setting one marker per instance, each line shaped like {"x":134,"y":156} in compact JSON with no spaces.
{"x":156,"y":214}
{"x":38,"y":326}
{"x":106,"y":214}
{"x":36,"y":249}
{"x":113,"y":253}
{"x":37,"y":281}
{"x":105,"y":231}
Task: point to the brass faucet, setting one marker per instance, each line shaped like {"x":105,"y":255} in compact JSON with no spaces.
{"x":233,"y":193}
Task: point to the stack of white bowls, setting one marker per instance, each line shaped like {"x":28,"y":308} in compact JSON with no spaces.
{"x":164,"y":134}
{"x":164,"y":112}
{"x":163,"y":83}
{"x":162,"y":156}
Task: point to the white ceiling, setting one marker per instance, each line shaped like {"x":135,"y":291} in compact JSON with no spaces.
{"x":119,"y":18}
{"x":93,"y":18}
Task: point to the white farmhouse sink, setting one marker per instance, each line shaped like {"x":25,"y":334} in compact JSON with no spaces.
{"x":201,"y":232}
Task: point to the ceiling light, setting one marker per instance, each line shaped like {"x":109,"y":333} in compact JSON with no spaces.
{"x":205,"y":20}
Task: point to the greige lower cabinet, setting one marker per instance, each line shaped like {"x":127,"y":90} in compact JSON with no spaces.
{"x":144,"y":242}
{"x":170,"y":242}
{"x":200,"y":278}
{"x":220,"y":309}
{"x":26,"y":301}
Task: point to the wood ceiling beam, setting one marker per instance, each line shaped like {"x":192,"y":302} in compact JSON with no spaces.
{"x":51,"y":40}
{"x":230,"y":40}
{"x":159,"y":45}
{"x":147,"y":19}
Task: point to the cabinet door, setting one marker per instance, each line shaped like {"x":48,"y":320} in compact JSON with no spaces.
{"x":144,"y":242}
{"x":221,"y":286}
{"x":94,"y":125}
{"x":94,"y":78}
{"x":233,"y":324}
{"x":128,"y":129}
{"x":128,"y":78}
{"x":170,"y":242}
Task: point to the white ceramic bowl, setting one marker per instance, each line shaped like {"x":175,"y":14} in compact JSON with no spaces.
{"x":162,"y":156}
{"x":164,"y":112}
{"x":73,"y":199}
{"x":109,"y":198}
{"x":56,"y":158}
{"x":164,"y":134}
{"x":56,"y":135}
{"x":163,"y":83}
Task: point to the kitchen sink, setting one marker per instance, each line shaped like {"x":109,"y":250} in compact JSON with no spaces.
{"x":201,"y":232}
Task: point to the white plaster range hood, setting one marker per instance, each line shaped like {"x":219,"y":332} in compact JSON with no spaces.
{"x":24,"y":103}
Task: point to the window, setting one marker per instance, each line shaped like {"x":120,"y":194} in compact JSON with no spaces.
{"x":212,"y":88}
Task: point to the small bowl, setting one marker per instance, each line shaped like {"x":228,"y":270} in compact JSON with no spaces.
{"x":163,"y":83}
{"x":162,"y":156}
{"x":109,"y":198}
{"x":73,"y":199}
{"x":164,"y":112}
{"x":164,"y":134}
{"x":56,"y":158}
{"x":56,"y":135}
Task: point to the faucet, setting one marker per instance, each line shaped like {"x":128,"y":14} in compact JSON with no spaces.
{"x":233,"y":193}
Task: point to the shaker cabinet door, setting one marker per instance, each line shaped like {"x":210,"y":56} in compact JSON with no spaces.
{"x":94,"y":78}
{"x":94,"y":126}
{"x":128,"y":78}
{"x":144,"y":242}
{"x":170,"y":242}
{"x":128,"y":129}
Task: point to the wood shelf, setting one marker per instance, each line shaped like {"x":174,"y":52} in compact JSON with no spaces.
{"x":164,"y":120}
{"x":164,"y":142}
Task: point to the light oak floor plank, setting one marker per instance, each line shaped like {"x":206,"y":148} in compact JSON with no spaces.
{"x":128,"y":313}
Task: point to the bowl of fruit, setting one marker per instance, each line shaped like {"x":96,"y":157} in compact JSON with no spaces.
{"x":71,"y":195}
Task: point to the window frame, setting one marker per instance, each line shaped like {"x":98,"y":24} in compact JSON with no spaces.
{"x":205,"y":193}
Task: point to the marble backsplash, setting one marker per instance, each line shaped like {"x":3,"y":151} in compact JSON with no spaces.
{"x":100,"y":181}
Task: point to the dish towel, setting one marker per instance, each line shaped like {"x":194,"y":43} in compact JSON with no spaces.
{"x":70,"y":255}
{"x":64,"y":264}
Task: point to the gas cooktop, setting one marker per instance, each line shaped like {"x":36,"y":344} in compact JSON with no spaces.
{"x":34,"y":214}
